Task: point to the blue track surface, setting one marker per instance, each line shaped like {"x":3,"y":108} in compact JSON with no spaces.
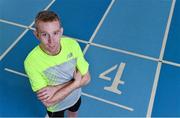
{"x":132,"y":34}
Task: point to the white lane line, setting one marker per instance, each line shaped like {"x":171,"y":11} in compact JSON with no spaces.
{"x":16,"y":24}
{"x":108,"y":102}
{"x":14,"y":43}
{"x":99,"y":25}
{"x":116,"y":49}
{"x":21,"y":35}
{"x":15,"y":72}
{"x":85,"y":94}
{"x":125,"y":52}
{"x":49,"y":5}
{"x":153,"y":93}
{"x":167,"y":30}
{"x":171,"y":63}
{"x":101,"y":46}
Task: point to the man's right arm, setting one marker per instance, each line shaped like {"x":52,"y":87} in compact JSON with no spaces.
{"x":48,"y":92}
{"x":78,"y":82}
{"x":60,"y":94}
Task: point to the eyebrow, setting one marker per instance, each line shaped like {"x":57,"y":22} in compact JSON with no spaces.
{"x":47,"y":32}
{"x":57,"y":30}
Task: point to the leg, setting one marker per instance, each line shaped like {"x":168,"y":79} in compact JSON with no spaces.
{"x":73,"y":111}
{"x":71,"y":114}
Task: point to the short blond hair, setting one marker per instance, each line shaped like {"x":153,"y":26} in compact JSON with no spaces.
{"x":46,"y":16}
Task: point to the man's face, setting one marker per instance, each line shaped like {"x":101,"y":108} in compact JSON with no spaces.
{"x":49,"y":34}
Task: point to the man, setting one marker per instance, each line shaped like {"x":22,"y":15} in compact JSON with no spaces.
{"x":56,"y":67}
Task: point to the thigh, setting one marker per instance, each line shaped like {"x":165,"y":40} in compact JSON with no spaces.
{"x":76,"y":106}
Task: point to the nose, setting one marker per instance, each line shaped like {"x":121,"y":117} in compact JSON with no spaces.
{"x":50,"y":39}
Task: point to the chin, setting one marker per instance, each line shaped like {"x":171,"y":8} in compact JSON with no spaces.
{"x":53,"y":52}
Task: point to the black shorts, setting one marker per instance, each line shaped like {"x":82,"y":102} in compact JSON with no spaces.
{"x":74,"y":108}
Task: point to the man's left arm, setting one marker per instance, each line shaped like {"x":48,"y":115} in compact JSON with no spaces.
{"x":84,"y":80}
{"x":78,"y":82}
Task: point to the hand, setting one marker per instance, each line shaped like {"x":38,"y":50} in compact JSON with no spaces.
{"x":48,"y":103}
{"x":46,"y":93}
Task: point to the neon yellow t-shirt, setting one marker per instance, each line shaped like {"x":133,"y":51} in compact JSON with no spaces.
{"x":43,"y":69}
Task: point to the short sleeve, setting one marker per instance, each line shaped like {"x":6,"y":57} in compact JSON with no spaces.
{"x":82,"y":64}
{"x":36,"y":79}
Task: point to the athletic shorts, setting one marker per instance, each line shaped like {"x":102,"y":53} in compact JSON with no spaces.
{"x":74,"y":108}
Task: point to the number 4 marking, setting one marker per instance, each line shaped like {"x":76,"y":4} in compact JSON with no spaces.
{"x":114,"y":87}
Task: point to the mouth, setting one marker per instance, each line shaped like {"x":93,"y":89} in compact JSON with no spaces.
{"x":51,"y":47}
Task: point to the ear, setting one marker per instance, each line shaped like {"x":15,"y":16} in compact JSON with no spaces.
{"x":62,"y":30}
{"x":36,"y":34}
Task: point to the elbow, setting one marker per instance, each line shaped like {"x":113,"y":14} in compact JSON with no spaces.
{"x":85,"y":79}
{"x":88,"y":78}
{"x":88,"y":81}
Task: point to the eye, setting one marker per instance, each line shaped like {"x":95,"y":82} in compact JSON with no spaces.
{"x":44,"y":34}
{"x":56,"y":33}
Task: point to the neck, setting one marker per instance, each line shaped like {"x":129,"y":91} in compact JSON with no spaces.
{"x":49,"y":53}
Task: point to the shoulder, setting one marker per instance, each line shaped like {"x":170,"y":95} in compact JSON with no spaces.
{"x":31,"y":56}
{"x":66,"y":41}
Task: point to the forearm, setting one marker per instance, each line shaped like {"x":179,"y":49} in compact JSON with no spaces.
{"x":85,"y":79}
{"x":46,"y":94}
{"x":63,"y":92}
{"x":60,"y":86}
